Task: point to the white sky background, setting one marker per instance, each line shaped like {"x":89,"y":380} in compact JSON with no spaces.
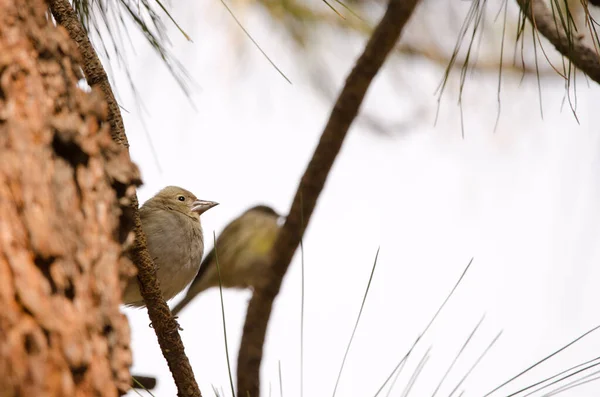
{"x":522,"y":201}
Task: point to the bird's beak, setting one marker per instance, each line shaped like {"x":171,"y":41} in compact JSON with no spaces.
{"x":201,"y":206}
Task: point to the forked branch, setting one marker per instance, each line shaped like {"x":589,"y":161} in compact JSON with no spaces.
{"x":163,"y":322}
{"x":345,"y":110}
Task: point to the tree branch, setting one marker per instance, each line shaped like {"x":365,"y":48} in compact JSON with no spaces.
{"x":345,"y":110}
{"x":582,"y":56}
{"x":92,"y":67}
{"x":163,"y":322}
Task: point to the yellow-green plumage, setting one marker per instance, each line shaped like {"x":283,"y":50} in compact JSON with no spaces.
{"x":242,"y":251}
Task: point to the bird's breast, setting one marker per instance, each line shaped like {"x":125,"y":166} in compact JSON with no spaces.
{"x":176,"y":245}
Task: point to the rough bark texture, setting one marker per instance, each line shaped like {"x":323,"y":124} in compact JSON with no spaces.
{"x":164,"y":324}
{"x":345,"y":110}
{"x":94,"y":72}
{"x":65,"y":196}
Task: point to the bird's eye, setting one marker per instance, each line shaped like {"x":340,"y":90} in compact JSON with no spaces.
{"x":181,"y":198}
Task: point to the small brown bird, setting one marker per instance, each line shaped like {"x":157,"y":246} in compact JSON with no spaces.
{"x":242,"y":250}
{"x":171,"y":223}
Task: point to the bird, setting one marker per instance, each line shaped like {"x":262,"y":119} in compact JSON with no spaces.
{"x":242,"y":251}
{"x":171,"y":223}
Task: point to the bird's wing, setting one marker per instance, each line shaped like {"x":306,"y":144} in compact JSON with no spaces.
{"x":210,"y":260}
{"x":204,"y":266}
{"x":193,"y":289}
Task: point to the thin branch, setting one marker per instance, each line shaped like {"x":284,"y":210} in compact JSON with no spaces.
{"x":575,"y":50}
{"x":94,"y":72}
{"x":345,"y":110}
{"x":163,"y":322}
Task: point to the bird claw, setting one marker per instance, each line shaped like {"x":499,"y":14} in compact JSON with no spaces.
{"x":175,"y":318}
{"x":178,"y":326}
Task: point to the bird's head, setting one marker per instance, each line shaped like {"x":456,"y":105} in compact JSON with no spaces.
{"x":265,"y":210}
{"x":178,"y":199}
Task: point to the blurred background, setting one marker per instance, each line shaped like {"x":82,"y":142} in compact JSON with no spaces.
{"x":502,"y":169}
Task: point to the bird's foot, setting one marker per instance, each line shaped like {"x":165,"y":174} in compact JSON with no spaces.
{"x":178,"y":326}
{"x":175,"y":318}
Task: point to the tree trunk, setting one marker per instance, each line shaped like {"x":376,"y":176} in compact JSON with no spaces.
{"x":64,"y":191}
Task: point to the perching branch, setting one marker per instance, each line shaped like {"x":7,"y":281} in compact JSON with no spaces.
{"x":163,"y":322}
{"x":94,"y":72}
{"x":585,"y":58}
{"x":345,"y":110}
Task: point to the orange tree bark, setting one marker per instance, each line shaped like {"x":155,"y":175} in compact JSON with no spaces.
{"x":65,"y":191}
{"x":164,"y":324}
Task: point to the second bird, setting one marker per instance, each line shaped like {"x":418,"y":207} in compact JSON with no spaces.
{"x":242,"y":250}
